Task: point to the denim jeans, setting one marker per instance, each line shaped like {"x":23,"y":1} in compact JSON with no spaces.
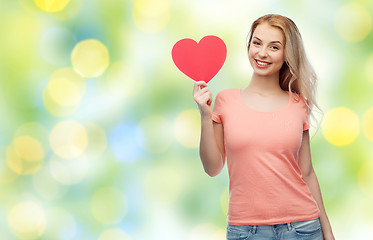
{"x":304,"y":230}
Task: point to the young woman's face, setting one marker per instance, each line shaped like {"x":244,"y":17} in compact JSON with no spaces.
{"x":266,"y":51}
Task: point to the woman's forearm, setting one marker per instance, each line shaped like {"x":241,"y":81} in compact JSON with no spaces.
{"x":313,"y":185}
{"x":211,"y":156}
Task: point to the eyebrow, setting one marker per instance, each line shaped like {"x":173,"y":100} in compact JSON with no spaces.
{"x":270,"y":42}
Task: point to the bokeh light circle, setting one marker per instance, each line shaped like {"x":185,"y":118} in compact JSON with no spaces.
{"x":25,"y":156}
{"x":64,"y":92}
{"x":368,"y":124}
{"x":187,"y":128}
{"x":353,"y":22}
{"x":340,"y":126}
{"x":55,"y":109}
{"x":114,"y":234}
{"x":151,"y":15}
{"x":51,"y":5}
{"x":28,"y":148}
{"x":69,"y":139}
{"x":15,"y":162}
{"x":108,"y":205}
{"x":90,"y":58}
{"x":27,"y":220}
{"x":162,"y":184}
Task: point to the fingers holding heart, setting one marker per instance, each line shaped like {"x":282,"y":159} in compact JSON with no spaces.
{"x":199,"y":85}
{"x":203,"y":96}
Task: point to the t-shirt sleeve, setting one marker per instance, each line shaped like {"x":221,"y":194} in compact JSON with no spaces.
{"x":306,"y":122}
{"x":217,"y":109}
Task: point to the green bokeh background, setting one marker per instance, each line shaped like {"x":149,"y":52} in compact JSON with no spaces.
{"x":159,"y":181}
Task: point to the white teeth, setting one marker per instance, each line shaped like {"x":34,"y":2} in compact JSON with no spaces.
{"x":262,"y":63}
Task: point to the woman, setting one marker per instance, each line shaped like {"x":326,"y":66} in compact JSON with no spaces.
{"x":263,"y":132}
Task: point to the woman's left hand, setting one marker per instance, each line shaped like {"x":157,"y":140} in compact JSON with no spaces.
{"x":329,"y":236}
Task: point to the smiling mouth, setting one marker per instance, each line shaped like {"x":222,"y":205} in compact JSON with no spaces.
{"x":261,"y":63}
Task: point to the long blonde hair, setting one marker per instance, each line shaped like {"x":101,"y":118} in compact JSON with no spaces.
{"x":296,"y":74}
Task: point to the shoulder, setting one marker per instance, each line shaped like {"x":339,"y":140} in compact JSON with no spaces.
{"x":224,"y":100}
{"x":226,"y":93}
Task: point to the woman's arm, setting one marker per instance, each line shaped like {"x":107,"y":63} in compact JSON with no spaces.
{"x":211,"y":148}
{"x":309,"y":176}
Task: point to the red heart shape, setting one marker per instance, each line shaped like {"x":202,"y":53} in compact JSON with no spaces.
{"x":200,"y":61}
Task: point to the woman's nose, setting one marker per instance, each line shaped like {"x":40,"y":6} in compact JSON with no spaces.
{"x":263,"y":52}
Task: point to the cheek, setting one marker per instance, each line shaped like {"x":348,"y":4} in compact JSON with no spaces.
{"x":279,"y":58}
{"x":251,"y":52}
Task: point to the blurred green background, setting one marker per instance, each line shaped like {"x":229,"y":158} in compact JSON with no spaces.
{"x":99,"y":130}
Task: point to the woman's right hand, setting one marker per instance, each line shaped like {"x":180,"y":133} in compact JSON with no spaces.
{"x":203,"y":97}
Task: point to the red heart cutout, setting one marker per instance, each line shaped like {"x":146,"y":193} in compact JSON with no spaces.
{"x":200,"y":61}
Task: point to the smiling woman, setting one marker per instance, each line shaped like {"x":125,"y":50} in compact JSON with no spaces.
{"x":262,"y":131}
{"x":267,"y":54}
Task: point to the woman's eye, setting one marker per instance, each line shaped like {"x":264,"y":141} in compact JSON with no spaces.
{"x":275,"y":47}
{"x":256,"y":43}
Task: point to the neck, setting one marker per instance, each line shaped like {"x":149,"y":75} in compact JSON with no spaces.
{"x":264,"y":84}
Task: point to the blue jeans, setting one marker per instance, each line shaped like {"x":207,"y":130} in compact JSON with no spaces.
{"x":305,"y":230}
